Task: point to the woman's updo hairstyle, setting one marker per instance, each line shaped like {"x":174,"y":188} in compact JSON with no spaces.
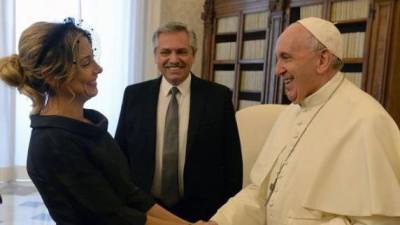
{"x":47,"y":53}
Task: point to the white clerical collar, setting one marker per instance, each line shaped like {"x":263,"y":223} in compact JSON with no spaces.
{"x":323,"y":94}
{"x":183,"y":87}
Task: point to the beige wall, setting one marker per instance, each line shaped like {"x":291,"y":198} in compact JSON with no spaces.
{"x":185,"y":11}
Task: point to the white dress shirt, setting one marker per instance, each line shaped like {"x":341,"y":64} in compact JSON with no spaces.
{"x":164,"y":97}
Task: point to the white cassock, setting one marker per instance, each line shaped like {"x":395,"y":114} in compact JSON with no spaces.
{"x":336,"y":160}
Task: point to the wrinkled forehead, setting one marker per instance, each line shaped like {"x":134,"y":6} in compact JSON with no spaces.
{"x":294,"y":37}
{"x":175,"y":40}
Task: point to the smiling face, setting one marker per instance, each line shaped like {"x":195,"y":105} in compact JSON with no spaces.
{"x":297,"y":63}
{"x":84,"y":85}
{"x":174,"y":56}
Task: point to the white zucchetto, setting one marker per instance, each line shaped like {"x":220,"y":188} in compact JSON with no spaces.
{"x":325,"y":32}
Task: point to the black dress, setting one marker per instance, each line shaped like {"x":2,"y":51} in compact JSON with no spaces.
{"x":81,"y":174}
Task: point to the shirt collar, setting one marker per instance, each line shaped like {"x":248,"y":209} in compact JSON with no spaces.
{"x":183,"y":87}
{"x":323,"y":94}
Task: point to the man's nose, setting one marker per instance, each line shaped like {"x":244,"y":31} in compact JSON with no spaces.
{"x":173,"y":57}
{"x":279,"y":69}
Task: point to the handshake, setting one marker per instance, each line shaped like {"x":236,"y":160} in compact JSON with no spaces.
{"x":201,"y":222}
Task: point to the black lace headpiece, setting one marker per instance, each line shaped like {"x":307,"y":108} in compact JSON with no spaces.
{"x":55,"y":37}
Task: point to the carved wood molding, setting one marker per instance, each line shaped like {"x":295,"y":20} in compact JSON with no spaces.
{"x":273,"y":90}
{"x":276,"y":5}
{"x":377,"y":65}
{"x":208,"y":14}
{"x":208,"y":17}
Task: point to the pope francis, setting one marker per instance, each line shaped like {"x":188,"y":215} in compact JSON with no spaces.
{"x":333,"y":156}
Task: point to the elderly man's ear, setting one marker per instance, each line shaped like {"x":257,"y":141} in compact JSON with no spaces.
{"x":324,"y":61}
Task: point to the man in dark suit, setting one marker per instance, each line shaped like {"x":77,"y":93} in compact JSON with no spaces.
{"x":208,"y":162}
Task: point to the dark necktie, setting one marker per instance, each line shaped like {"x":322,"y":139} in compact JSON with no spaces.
{"x":169,"y":179}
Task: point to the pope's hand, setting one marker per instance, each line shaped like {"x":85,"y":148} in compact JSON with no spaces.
{"x":200,"y":222}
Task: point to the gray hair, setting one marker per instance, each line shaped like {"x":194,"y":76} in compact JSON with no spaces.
{"x":314,"y":44}
{"x":173,"y":27}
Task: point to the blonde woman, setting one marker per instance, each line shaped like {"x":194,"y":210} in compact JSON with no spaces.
{"x":80,"y":172}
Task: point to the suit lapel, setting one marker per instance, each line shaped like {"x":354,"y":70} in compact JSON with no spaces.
{"x":197,"y":104}
{"x":149,"y":122}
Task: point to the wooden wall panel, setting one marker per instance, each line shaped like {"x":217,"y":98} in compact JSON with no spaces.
{"x":380,"y":64}
{"x":273,"y":90}
{"x":378,"y":54}
{"x":392,"y":94}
